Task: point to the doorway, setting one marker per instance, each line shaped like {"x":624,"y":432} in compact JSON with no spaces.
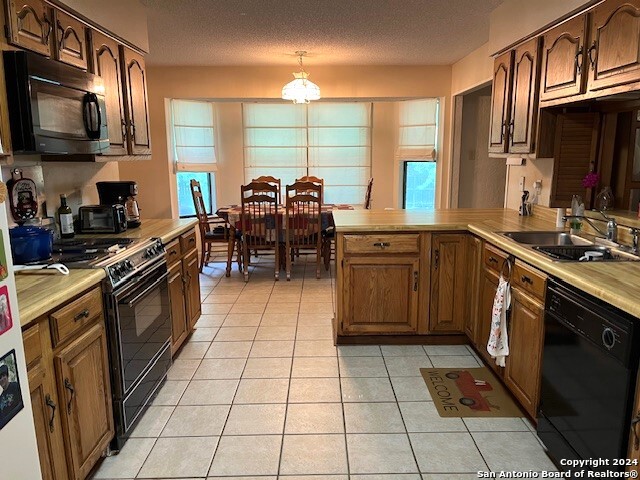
{"x":481,"y":180}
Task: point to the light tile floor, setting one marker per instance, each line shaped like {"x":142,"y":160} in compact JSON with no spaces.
{"x":260,"y":392}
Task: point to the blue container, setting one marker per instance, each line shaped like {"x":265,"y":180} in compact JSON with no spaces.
{"x":30,"y":244}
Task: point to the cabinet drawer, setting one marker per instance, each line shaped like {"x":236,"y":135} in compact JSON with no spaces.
{"x":32,"y":346}
{"x":74,"y":316}
{"x":188,"y":241}
{"x":493,"y":258}
{"x":173,"y":251}
{"x":529,"y":279}
{"x":400,"y":243}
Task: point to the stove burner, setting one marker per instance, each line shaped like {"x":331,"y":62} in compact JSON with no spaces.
{"x":82,"y":257}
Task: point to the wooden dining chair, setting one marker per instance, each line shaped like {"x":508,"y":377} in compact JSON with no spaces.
{"x":272,"y":181}
{"x":303,"y":221}
{"x":367,"y":195}
{"x":213,"y":231}
{"x":260,"y":222}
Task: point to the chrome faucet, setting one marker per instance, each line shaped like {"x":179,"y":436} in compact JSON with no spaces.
{"x":611,"y":232}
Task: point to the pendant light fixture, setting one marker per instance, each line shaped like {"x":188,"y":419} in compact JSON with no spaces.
{"x":301,"y":89}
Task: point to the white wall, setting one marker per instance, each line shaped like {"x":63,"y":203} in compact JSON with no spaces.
{"x":474,"y":70}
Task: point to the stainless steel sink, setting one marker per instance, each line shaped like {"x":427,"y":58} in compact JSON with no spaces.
{"x":547,"y":238}
{"x":575,"y":253}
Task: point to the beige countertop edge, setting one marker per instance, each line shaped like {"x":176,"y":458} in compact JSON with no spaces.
{"x":39,"y":294}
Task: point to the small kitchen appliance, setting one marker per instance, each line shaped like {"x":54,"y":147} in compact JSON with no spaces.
{"x":102,"y":218}
{"x":122,"y":192}
{"x":54,"y":108}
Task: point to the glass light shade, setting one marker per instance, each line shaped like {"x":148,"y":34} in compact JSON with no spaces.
{"x":301,"y":90}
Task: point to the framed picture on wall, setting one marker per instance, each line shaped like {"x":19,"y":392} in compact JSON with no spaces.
{"x":6,"y":319}
{"x":10,"y":392}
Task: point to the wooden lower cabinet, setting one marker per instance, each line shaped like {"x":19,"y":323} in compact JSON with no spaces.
{"x":179,"y":328}
{"x":184,"y":287}
{"x":633,"y":451}
{"x":46,"y":417}
{"x":488,"y":287}
{"x":474,"y":262}
{"x":449,"y":282}
{"x":380,"y":295}
{"x":191,"y":272}
{"x":70,"y":391}
{"x":526,"y":326}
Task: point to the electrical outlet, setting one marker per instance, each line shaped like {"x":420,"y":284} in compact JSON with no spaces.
{"x":537,"y":185}
{"x":521,"y":184}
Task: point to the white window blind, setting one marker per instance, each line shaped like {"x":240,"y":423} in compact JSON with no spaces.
{"x":328,"y":140}
{"x":193,"y":135}
{"x":418,"y":129}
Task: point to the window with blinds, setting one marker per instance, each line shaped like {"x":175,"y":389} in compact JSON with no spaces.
{"x":194,"y":152}
{"x":417,"y":150}
{"x":418,"y":129}
{"x":193,"y":135}
{"x":328,"y":140}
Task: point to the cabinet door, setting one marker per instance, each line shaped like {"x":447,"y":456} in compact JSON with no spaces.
{"x":30,"y":25}
{"x":474,"y":263}
{"x":135,"y":87}
{"x":524,"y":97}
{"x":563,"y":62}
{"x":191,"y":272}
{"x":526,"y":326}
{"x":177,"y":298}
{"x":381,"y":295}
{"x":614,"y":51}
{"x":46,"y":416}
{"x":82,"y":372}
{"x":449,"y":275}
{"x":500,"y":103}
{"x":70,"y":40}
{"x":106,"y":54}
{"x":488,"y":287}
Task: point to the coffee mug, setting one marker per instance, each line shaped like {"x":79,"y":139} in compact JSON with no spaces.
{"x":591,"y":256}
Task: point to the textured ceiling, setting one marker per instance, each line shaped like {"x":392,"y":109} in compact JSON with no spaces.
{"x":346,"y":32}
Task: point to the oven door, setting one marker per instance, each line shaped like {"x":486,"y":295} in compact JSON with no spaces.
{"x":143,"y":324}
{"x":67,"y":120}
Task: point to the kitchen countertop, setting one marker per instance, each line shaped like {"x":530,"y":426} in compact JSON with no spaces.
{"x":617,"y":283}
{"x":40,"y":293}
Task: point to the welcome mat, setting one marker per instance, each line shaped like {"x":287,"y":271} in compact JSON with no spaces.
{"x":469,"y":392}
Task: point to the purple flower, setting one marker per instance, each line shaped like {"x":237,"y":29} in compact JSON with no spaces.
{"x":591,"y":180}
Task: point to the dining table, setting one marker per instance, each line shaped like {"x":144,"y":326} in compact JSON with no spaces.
{"x":232,"y":215}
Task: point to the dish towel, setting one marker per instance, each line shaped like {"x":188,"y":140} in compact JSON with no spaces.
{"x":498,"y":345}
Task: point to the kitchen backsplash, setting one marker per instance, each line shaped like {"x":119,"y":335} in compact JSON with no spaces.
{"x":76,"y":180}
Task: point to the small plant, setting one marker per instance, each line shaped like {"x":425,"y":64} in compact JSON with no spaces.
{"x":591,"y":180}
{"x":575,"y":224}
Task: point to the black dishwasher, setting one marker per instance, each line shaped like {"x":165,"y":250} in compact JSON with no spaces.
{"x":589,"y":368}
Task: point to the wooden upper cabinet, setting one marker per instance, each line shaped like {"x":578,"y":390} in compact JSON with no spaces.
{"x":614,"y":50}
{"x":106,"y":55}
{"x":70,"y":40}
{"x":30,"y":25}
{"x":449,"y":280}
{"x":563,"y":60}
{"x":85,"y":396}
{"x":524,"y":97}
{"x":135,"y":88}
{"x":500,"y":103}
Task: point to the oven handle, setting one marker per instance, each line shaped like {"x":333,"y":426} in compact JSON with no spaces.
{"x":139,"y":297}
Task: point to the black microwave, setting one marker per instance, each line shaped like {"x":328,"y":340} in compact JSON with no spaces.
{"x":54,"y":108}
